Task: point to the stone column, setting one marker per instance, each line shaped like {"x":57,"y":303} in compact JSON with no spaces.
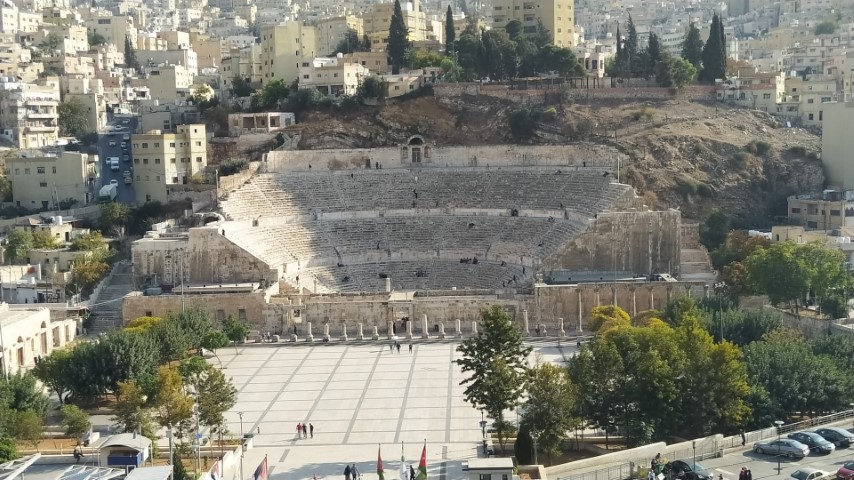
{"x":651,"y":299}
{"x":580,"y":312}
{"x":361,"y":332}
{"x":344,"y":331}
{"x":634,"y":301}
{"x":560,"y":327}
{"x":310,"y":337}
{"x":459,"y":330}
{"x":474,"y":327}
{"x":325,"y":332}
{"x":442,"y":330}
{"x":525,"y":322}
{"x":376,"y":334}
{"x":424,"y":333}
{"x":705,"y":291}
{"x":543,"y":331}
{"x":409,"y":330}
{"x":390,"y":329}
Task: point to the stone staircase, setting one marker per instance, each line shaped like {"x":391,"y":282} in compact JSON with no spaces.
{"x":107,"y":312}
{"x":695,"y":265}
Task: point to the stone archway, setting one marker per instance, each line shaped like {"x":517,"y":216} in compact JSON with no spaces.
{"x":416,"y":149}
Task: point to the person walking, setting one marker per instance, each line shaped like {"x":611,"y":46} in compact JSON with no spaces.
{"x":391,"y":346}
{"x":305,"y":430}
{"x":353,"y":472}
{"x":411,"y":472}
{"x":743,"y":439}
{"x":410,"y":347}
{"x":398,"y":347}
{"x":299,"y":430}
{"x":311,"y":429}
{"x":78,"y":453}
{"x":347,"y":472}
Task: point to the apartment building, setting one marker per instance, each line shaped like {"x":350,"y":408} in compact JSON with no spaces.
{"x":164,"y":160}
{"x":166,"y":83}
{"x":30,"y":334}
{"x":558,"y":17}
{"x":753,"y":89}
{"x":377,"y":21}
{"x":812,"y":94}
{"x":90,"y":92}
{"x":837,"y":143}
{"x":331,"y":31}
{"x":376,"y":62}
{"x":185,"y":57}
{"x":41,"y":180}
{"x":242,"y":63}
{"x":332,"y":76}
{"x":284,"y":48}
{"x":113,"y":28}
{"x":28,"y":115}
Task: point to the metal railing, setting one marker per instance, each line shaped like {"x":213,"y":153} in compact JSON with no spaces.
{"x":706,"y":449}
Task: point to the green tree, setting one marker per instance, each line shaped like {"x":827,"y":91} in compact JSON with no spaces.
{"x":714,"y":54}
{"x":523,"y":447}
{"x":398,"y":39}
{"x":213,"y":341}
{"x":130,"y":56}
{"x":89,"y":242}
{"x":87,"y":272}
{"x":241,"y":87}
{"x":216,"y":396}
{"x":8,"y":450}
{"x":559,"y":60}
{"x":20,"y":392}
{"x":19,"y":242}
{"x":273,"y":93}
{"x":53,"y":371}
{"x":715,"y":229}
{"x":827,"y":27}
{"x":450,"y":33}
{"x":652,"y":55}
{"x":630,"y":48}
{"x":131,"y":414}
{"x":73,"y":118}
{"x":179,"y":472}
{"x":171,"y":405}
{"x":692,"y":47}
{"x":75,"y":421}
{"x":28,"y":427}
{"x":674,"y":72}
{"x":550,"y":407}
{"x":96,"y":39}
{"x":133,"y":356}
{"x":496,"y":364}
{"x":113,"y":218}
{"x":514,"y":30}
{"x":5,"y":189}
{"x":235,"y":330}
{"x":44,"y":240}
{"x":608,"y":316}
{"x":350,"y":43}
{"x":201,"y":94}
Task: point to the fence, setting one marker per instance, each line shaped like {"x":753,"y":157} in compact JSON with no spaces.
{"x":708,"y":447}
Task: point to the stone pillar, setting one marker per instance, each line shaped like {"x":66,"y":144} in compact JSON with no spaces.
{"x":376,"y":334}
{"x":325,"y":332}
{"x":361,"y":332}
{"x":409,"y":330}
{"x":580,"y":312}
{"x":294,"y":338}
{"x":344,"y":331}
{"x":390,"y":329}
{"x":614,"y":295}
{"x":424,"y":333}
{"x":310,"y":337}
{"x":598,"y":300}
{"x":525,"y":322}
{"x":387,"y":284}
{"x":705,"y":291}
{"x":560,"y":327}
{"x":651,"y":298}
{"x":474,"y":327}
{"x":634,"y":301}
{"x":459,"y":330}
{"x":442,"y":330}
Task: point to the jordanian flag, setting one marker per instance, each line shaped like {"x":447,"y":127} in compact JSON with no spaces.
{"x":380,"y":472}
{"x":422,"y":465}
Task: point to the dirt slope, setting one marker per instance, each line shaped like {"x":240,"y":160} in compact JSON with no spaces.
{"x":681,"y":154}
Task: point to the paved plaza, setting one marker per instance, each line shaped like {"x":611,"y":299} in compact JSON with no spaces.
{"x":358,"y":396}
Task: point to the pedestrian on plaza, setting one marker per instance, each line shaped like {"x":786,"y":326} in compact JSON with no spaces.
{"x":299,"y":429}
{"x":748,"y":475}
{"x":742,"y":475}
{"x":311,"y":429}
{"x":354,"y":472}
{"x":743,"y":439}
{"x":78,"y":453}
{"x":411,"y":472}
{"x":391,"y":346}
{"x":347,"y":472}
{"x":398,"y":347}
{"x":410,"y":347}
{"x":304,"y":430}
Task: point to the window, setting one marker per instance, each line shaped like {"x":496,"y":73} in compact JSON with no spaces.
{"x":26,"y":171}
{"x":145,"y":161}
{"x":148,"y":313}
{"x":136,"y":161}
{"x":172,"y":144}
{"x":157,"y":161}
{"x":825,"y":99}
{"x":137,"y":178}
{"x":305,"y":77}
{"x":146,"y":178}
{"x":241,"y":314}
{"x":811,"y":116}
{"x":40,"y":170}
{"x":43,"y":184}
{"x":198,"y":144}
{"x":766,"y":96}
{"x":156,"y":144}
{"x":144,"y":145}
{"x":17,"y":171}
{"x":811,"y":100}
{"x":220,"y":315}
{"x":835,"y":213}
{"x":812,"y":225}
{"x":174,"y":179}
{"x":198,"y":159}
{"x":158,"y":178}
{"x":53,"y":169}
{"x":173,"y":160}
{"x":485,"y":476}
{"x":796,"y":210}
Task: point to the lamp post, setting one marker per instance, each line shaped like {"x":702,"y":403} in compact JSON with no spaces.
{"x":171,"y":458}
{"x":534,"y":436}
{"x":482,"y":424}
{"x":779,"y":423}
{"x":694,"y":447}
{"x":242,"y":444}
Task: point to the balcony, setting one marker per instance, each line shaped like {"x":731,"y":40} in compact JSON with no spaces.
{"x":41,"y":102}
{"x":40,"y":116}
{"x":40,"y":128}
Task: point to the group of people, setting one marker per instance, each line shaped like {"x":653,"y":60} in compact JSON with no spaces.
{"x":396,"y":345}
{"x":304,"y":430}
{"x":350,"y":472}
{"x":745,"y":474}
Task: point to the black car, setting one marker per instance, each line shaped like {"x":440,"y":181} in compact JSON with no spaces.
{"x":816,"y":442}
{"x":839,"y":436}
{"x":682,"y":470}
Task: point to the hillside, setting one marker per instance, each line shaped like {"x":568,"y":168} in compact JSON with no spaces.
{"x":682,"y":154}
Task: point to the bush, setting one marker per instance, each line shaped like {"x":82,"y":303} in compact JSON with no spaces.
{"x":757,"y":147}
{"x":704,"y":190}
{"x":686,"y":186}
{"x":523,"y":448}
{"x":643,"y":114}
{"x":797,"y":151}
{"x":230,"y":167}
{"x":302,"y":100}
{"x":522,"y":122}
{"x":740,"y":160}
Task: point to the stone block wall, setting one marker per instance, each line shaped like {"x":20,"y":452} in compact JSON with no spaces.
{"x":638,"y":242}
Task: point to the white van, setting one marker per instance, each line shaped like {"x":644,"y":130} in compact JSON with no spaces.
{"x":114,"y":163}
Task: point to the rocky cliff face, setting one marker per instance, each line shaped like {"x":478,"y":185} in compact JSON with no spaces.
{"x":681,"y":154}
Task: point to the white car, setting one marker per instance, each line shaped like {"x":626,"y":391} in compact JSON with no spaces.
{"x":112,"y":143}
{"x":126,"y":137}
{"x":126,"y":121}
{"x":114,"y":182}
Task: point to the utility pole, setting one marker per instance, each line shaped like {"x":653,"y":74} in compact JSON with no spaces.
{"x":171,"y":457}
{"x":3,"y":347}
{"x":242,"y":444}
{"x":181,"y":259}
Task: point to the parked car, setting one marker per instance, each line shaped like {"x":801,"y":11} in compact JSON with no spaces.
{"x":816,"y":442}
{"x":112,"y":143}
{"x":839,"y":436}
{"x":846,"y":471}
{"x":685,"y":470}
{"x":788,"y":447}
{"x":114,"y":182}
{"x":807,"y":473}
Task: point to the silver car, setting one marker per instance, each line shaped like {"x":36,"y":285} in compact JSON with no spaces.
{"x":788,"y":447}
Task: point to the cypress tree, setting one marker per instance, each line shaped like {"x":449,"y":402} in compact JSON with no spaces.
{"x":130,"y":55}
{"x":722,"y":36}
{"x":398,"y":39}
{"x":631,"y":48}
{"x":714,"y":63}
{"x":692,"y":47}
{"x":618,"y":55}
{"x":653,"y":55}
{"x":450,"y":35}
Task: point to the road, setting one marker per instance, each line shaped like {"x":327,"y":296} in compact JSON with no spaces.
{"x":765,"y":466}
{"x":105,"y":151}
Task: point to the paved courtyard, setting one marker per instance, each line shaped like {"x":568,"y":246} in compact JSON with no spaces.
{"x":358,"y":396}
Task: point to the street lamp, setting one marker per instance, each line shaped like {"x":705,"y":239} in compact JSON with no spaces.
{"x":242,"y":445}
{"x":779,"y":423}
{"x":694,"y":447}
{"x":534,"y":436}
{"x":482,"y":424}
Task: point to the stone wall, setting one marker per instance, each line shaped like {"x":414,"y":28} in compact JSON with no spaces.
{"x":637,"y":242}
{"x":230,"y":183}
{"x":136,"y":305}
{"x":602,"y":90}
{"x":481,"y":156}
{"x":690,"y":235}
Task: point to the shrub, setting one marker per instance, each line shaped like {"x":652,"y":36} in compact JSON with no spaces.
{"x":643,"y":114}
{"x":704,"y":190}
{"x":740,"y":160}
{"x":522,"y":122}
{"x":757,"y":147}
{"x":798,"y":151}
{"x":230,"y":167}
{"x":686,"y":186}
